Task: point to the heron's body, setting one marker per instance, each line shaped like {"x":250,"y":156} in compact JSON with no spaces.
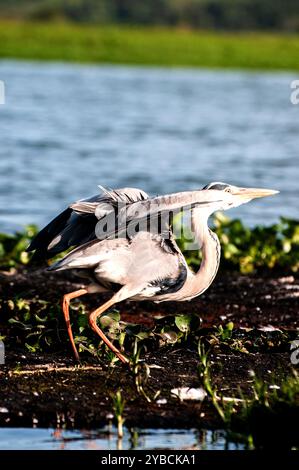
{"x":153,"y":267}
{"x":123,"y":262}
{"x":137,"y":263}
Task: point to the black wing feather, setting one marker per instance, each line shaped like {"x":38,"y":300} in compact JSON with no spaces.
{"x":46,"y":235}
{"x":76,"y":227}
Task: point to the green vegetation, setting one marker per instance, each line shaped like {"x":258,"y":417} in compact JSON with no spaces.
{"x":224,"y":409}
{"x":270,"y":418}
{"x":12,"y":247}
{"x":217,"y":14}
{"x":247,"y":250}
{"x":118,"y":408}
{"x":38,"y":326}
{"x":148,"y":46}
{"x":36,"y":322}
{"x":262,"y":418}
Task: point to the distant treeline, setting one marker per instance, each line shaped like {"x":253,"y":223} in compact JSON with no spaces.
{"x":212,"y":14}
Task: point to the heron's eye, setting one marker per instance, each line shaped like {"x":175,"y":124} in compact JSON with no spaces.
{"x":228,"y":190}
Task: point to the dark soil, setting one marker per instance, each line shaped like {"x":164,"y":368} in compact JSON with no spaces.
{"x":53,"y":390}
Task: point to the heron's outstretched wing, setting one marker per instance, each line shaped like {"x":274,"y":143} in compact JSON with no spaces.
{"x":140,"y":213}
{"x":76,"y":224}
{"x":154,"y":214}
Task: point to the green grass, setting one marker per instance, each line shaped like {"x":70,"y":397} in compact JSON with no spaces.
{"x":148,"y":46}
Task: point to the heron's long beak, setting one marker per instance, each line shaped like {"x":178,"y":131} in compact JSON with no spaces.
{"x":252,"y":193}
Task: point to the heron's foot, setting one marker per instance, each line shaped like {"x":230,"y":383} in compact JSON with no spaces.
{"x":122,"y":358}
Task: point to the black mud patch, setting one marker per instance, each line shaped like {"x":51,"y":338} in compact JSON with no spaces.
{"x":51,"y":390}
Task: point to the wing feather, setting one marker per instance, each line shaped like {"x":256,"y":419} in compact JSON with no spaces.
{"x":76,"y":224}
{"x":159,"y":211}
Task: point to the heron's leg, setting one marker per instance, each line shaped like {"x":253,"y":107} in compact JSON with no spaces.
{"x":65,"y":308}
{"x":93,"y":323}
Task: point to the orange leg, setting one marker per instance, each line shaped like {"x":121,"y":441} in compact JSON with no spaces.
{"x":65,"y":308}
{"x":93,"y":323}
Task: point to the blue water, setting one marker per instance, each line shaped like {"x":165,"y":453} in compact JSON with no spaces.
{"x":67,"y":128}
{"x":47,"y":439}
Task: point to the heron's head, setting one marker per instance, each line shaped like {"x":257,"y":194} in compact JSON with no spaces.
{"x":227,"y":196}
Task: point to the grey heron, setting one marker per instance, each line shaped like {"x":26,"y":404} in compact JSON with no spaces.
{"x":140,"y":264}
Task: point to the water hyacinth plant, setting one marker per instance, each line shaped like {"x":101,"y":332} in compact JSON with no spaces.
{"x":246,"y":250}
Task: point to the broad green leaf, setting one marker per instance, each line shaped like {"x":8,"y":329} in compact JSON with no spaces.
{"x":183,"y":322}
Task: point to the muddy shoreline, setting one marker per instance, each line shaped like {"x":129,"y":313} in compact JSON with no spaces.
{"x":50,"y":389}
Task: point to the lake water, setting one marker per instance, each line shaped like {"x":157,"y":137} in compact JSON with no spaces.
{"x":67,"y":128}
{"x":47,"y":439}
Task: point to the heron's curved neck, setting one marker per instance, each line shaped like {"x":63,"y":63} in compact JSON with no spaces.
{"x":210,"y":249}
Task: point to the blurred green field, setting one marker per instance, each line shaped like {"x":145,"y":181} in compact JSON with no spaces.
{"x":148,"y":46}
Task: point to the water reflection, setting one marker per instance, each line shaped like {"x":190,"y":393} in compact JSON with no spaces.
{"x":105,"y":439}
